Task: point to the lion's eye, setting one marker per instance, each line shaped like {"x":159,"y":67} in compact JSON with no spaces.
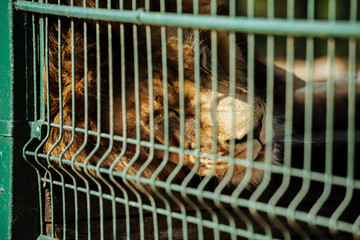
{"x":205,"y":61}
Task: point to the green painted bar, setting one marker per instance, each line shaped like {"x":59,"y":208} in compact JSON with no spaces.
{"x":256,"y":25}
{"x":197,"y":80}
{"x":269,"y":122}
{"x":6,"y":187}
{"x":124,"y":145}
{"x":18,"y":179}
{"x":315,"y":176}
{"x":6,"y":59}
{"x":281,"y":211}
{"x":166,"y":123}
{"x":43,"y":237}
{"x":152,"y":133}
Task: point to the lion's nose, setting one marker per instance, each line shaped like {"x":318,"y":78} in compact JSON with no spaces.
{"x":263,"y":149}
{"x":233,"y":118}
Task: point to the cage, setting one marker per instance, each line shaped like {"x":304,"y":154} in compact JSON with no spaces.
{"x":185,"y":119}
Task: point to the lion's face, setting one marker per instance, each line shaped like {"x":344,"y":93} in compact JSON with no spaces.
{"x":208,"y":119}
{"x":175,"y":105}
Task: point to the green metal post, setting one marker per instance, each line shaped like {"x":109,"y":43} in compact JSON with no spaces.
{"x":18,"y":189}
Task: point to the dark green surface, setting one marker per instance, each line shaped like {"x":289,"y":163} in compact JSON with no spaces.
{"x":6,"y":114}
{"x":18,"y":193}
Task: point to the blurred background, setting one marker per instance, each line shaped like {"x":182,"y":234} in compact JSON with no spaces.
{"x":342,"y":9}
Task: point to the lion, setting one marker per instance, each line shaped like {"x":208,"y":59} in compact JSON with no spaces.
{"x":90,"y":89}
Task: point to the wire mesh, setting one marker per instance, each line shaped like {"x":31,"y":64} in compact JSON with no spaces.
{"x":164,"y":121}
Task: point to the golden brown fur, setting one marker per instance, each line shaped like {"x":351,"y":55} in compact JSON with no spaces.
{"x":72,"y":82}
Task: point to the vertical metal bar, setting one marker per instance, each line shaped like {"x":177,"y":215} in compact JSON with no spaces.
{"x":124,"y":145}
{"x":166,"y":124}
{"x":124,"y":128}
{"x":44,"y":63}
{"x":39,"y":188}
{"x":166,"y":117}
{"x":188,"y":178}
{"x":250,"y":99}
{"x":111,"y":127}
{"x":308,"y":129}
{"x":207,"y":178}
{"x":35,"y":64}
{"x":138,"y":133}
{"x":86,"y":124}
{"x":98,"y":117}
{"x":151,"y":123}
{"x":61,"y":123}
{"x":182,"y":131}
{"x":85,"y":141}
{"x":137,"y":109}
{"x":197,"y":128}
{"x":269,"y":123}
{"x":61,"y":115}
{"x":353,"y":19}
{"x":214,"y":79}
{"x":214,"y":85}
{"x":27,"y":55}
{"x":182,"y":114}
{"x":73,"y":124}
{"x":250,"y":8}
{"x":288,"y":123}
{"x":231,"y":160}
{"x":138,"y":129}
{"x":196,"y":7}
{"x":180,"y":164}
{"x":330,"y":90}
{"x":111,"y":106}
{"x":270,"y":105}
{"x":42,"y":92}
{"x":197,"y":94}
{"x":98,"y":125}
{"x":289,"y":109}
{"x":36,"y":114}
{"x":196,"y":166}
{"x":86,"y":134}
{"x":214,"y":62}
{"x":42,"y":113}
{"x":351,"y":138}
{"x":6,"y":83}
{"x":73,"y":110}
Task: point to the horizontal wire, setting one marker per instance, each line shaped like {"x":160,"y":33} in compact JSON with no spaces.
{"x":280,"y":169}
{"x":313,"y":28}
{"x":174,"y":214}
{"x":174,"y":187}
{"x":260,"y":206}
